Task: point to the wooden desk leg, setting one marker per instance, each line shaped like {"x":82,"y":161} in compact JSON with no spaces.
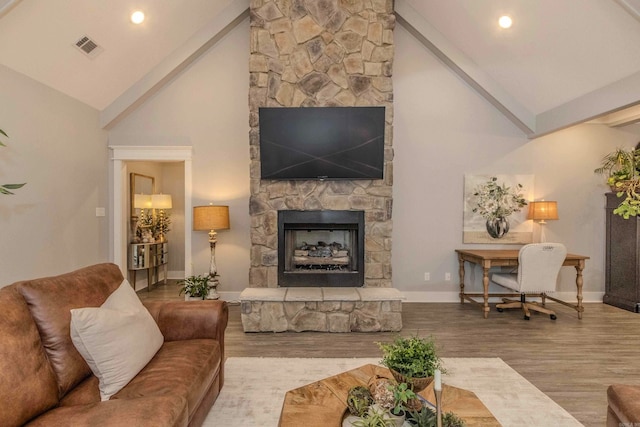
{"x":485,"y":285}
{"x":579,"y":283}
{"x":461,"y":274}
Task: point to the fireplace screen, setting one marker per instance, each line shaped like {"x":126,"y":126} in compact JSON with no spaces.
{"x":320,"y":248}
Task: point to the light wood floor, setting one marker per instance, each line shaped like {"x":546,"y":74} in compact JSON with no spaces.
{"x":571,"y":360}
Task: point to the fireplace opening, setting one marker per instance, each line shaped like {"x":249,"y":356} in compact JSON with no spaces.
{"x":321,"y":248}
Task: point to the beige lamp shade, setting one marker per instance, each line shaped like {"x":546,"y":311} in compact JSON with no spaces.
{"x":161,"y":201}
{"x":543,"y":210}
{"x":206,"y":218}
{"x":142,"y":201}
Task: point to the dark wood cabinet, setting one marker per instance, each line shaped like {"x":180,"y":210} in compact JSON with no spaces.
{"x":622,"y":281}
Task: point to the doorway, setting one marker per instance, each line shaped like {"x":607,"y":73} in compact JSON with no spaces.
{"x":122,"y":158}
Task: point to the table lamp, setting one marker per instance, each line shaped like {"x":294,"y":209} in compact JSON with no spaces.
{"x":211,"y":218}
{"x":161,"y":202}
{"x":542,"y":211}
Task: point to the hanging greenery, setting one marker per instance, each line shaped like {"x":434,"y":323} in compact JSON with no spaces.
{"x":6,"y":188}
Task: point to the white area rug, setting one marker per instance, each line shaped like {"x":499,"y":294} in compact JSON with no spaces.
{"x":254,"y":390}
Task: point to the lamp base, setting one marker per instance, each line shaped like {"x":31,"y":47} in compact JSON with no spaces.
{"x":213,"y":289}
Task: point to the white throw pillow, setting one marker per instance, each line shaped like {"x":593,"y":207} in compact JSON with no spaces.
{"x":117,"y":339}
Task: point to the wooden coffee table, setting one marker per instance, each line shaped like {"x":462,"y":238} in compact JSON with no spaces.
{"x":323,"y":403}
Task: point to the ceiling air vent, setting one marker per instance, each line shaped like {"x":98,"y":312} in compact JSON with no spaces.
{"x":88,"y":46}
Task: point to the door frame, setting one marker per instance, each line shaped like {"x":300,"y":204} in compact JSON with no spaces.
{"x":120,"y":222}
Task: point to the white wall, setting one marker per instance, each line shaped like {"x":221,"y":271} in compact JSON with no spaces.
{"x":444,"y":130}
{"x":56,"y":146}
{"x":206,"y":107}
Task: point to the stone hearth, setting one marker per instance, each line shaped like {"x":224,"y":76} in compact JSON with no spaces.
{"x":321,"y":309}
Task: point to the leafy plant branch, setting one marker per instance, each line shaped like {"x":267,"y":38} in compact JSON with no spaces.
{"x":6,"y":188}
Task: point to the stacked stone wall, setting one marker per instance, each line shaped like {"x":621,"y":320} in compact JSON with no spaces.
{"x":321,"y":53}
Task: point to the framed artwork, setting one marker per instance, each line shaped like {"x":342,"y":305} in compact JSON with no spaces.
{"x":495,"y":209}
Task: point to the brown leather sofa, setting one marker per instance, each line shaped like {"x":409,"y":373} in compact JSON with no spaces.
{"x":45,"y":382}
{"x":624,"y":405}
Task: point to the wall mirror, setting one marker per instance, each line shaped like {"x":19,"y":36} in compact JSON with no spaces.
{"x":140,"y":184}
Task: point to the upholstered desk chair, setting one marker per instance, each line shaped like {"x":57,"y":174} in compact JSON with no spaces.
{"x":538,"y":268}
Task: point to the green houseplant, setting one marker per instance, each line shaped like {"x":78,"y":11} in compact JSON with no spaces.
{"x":195,"y":286}
{"x":623,"y":177}
{"x":6,"y":188}
{"x":411,"y":360}
{"x":426,"y":417}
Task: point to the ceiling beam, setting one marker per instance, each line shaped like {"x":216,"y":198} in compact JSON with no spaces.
{"x":616,"y":96}
{"x":171,"y":66}
{"x":464,"y":67}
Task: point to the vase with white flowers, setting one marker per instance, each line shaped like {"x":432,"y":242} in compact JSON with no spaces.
{"x":495,"y":202}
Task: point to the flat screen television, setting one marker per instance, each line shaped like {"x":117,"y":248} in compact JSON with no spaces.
{"x":321,"y":143}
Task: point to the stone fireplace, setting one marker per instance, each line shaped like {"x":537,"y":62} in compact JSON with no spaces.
{"x":321,"y":53}
{"x":321,"y":248}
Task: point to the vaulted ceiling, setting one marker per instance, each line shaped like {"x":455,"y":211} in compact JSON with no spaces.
{"x":563,"y":61}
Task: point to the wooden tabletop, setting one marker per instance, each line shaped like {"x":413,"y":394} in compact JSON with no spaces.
{"x":324,"y":403}
{"x":497,"y":254}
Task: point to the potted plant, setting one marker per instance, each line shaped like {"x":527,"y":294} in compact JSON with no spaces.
{"x":375,"y":416}
{"x":358,"y":400}
{"x":621,"y":167}
{"x":411,"y":360}
{"x":195,"y":287}
{"x":426,"y":417}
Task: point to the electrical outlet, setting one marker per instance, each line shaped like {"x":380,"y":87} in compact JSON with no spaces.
{"x":447,"y":276}
{"x":427,"y":277}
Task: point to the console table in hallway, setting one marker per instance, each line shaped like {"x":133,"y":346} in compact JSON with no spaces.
{"x":487,"y":258}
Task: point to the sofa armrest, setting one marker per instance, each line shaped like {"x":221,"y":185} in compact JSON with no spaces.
{"x":624,"y":403}
{"x":184,"y":320}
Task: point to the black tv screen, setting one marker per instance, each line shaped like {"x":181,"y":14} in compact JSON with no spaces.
{"x":322,"y":142}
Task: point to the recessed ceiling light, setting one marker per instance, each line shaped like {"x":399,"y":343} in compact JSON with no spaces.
{"x":505,"y":21}
{"x":137,"y":17}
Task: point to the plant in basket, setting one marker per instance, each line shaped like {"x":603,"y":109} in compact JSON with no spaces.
{"x":622,"y":168}
{"x":411,"y":360}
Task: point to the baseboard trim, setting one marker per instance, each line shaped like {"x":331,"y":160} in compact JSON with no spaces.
{"x":453,"y":296}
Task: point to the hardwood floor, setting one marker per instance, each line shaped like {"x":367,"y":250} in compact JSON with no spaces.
{"x":571,"y":360}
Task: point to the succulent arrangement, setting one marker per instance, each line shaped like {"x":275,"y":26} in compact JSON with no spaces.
{"x":426,"y":417}
{"x":390,"y":402}
{"x":385,"y":400}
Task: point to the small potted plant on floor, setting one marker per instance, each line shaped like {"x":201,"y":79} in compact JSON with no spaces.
{"x":411,"y":360}
{"x":195,"y":287}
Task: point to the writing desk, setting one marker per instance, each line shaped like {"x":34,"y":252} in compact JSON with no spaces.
{"x":487,"y":258}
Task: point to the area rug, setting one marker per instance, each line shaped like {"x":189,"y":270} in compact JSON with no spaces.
{"x":254,"y":389}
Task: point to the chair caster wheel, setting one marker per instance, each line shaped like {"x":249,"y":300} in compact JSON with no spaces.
{"x":500,"y":310}
{"x":553,"y":316}
{"x":526,"y":317}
